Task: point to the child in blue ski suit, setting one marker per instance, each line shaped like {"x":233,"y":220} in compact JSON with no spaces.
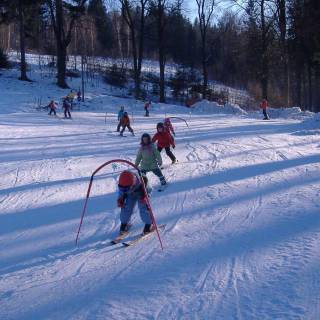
{"x":120,"y":115}
{"x":130,"y":193}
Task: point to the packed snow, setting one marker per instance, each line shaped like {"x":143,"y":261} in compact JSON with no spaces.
{"x":242,"y":212}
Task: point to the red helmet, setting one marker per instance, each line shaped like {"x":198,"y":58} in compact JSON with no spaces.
{"x":127,"y":179}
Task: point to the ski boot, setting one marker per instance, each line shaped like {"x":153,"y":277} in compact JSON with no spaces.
{"x":147,"y":229}
{"x":124,"y":228}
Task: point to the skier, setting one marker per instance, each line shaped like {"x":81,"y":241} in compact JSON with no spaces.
{"x":66,"y":106}
{"x":146,"y":108}
{"x":125,"y":123}
{"x":149,"y":158}
{"x":168,"y":127}
{"x":264,"y":105}
{"x":120,"y":115}
{"x":131,"y":191}
{"x":165,"y":140}
{"x":52,"y":106}
{"x":79,"y":95}
{"x":71,"y":97}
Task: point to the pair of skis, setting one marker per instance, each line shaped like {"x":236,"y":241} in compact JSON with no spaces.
{"x":138,"y":238}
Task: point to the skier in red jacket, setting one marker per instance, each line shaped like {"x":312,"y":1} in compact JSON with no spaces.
{"x":125,"y":123}
{"x":165,"y":140}
{"x":168,"y":126}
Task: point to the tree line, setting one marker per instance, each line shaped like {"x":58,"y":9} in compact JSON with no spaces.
{"x":269,"y":47}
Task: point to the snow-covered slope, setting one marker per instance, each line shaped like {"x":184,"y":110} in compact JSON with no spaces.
{"x":242,"y":217}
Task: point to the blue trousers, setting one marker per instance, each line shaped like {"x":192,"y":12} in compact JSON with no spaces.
{"x":130,"y":204}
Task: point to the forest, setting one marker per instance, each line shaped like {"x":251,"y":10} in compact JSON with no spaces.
{"x":270,"y":48}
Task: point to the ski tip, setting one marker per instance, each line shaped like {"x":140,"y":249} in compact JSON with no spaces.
{"x":125,"y":244}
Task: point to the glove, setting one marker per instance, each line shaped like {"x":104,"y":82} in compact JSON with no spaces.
{"x":120,"y":202}
{"x":173,"y":146}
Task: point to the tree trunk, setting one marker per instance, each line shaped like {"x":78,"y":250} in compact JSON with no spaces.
{"x":161,"y":53}
{"x":204,"y":65}
{"x":264,"y":60}
{"x":61,"y":65}
{"x":317,"y":89}
{"x":162,"y":75}
{"x":310,"y":93}
{"x":23,"y":66}
{"x":298,"y":85}
{"x":61,"y":46}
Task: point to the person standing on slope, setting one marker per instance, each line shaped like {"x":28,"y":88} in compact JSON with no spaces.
{"x":168,"y":127}
{"x":165,"y":140}
{"x":147,"y":107}
{"x":125,"y":123}
{"x":130,"y":193}
{"x":149,"y":158}
{"x":264,"y":105}
{"x":120,"y":115}
{"x":53,"y":107}
{"x":66,"y":106}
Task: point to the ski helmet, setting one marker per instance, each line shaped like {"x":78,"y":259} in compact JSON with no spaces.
{"x":127,"y":179}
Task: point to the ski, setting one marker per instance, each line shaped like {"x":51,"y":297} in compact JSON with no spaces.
{"x":163,"y":187}
{"x":169,"y":165}
{"x":119,"y":238}
{"x":141,"y":237}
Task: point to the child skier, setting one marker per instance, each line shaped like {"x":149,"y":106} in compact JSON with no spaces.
{"x":147,"y":107}
{"x":149,"y":158}
{"x":131,"y":191}
{"x":120,"y":115}
{"x":52,"y":106}
{"x":79,"y":95}
{"x":168,"y":127}
{"x":125,"y":123}
{"x":66,"y":106}
{"x":165,"y":140}
{"x":264,"y":105}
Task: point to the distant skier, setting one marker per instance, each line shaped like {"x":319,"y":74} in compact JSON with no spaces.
{"x":168,"y":127}
{"x":165,"y":140}
{"x":264,"y":105}
{"x":66,"y":106}
{"x":120,"y":115}
{"x":71,"y":97}
{"x":79,"y":95}
{"x":147,"y":107}
{"x":53,"y":107}
{"x":130,"y":193}
{"x":149,"y":158}
{"x":125,"y":123}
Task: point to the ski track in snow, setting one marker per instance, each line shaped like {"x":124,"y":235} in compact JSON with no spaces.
{"x":242,"y":235}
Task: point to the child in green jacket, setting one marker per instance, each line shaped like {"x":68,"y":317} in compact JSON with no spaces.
{"x":149,"y":158}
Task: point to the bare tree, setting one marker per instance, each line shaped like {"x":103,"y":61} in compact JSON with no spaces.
{"x":15,"y":10}
{"x":281,"y":7}
{"x":63,"y":33}
{"x":264,"y":15}
{"x":134,"y":14}
{"x":205,"y":9}
{"x":160,"y":13}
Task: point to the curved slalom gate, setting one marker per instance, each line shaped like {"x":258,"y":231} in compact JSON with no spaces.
{"x":144,"y":189}
{"x":180,"y":119}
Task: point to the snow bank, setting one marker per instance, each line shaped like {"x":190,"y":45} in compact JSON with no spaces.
{"x":288,"y":113}
{"x":311,"y":125}
{"x":206,"y":106}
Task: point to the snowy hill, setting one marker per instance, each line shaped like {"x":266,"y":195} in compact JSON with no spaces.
{"x":242,"y":214}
